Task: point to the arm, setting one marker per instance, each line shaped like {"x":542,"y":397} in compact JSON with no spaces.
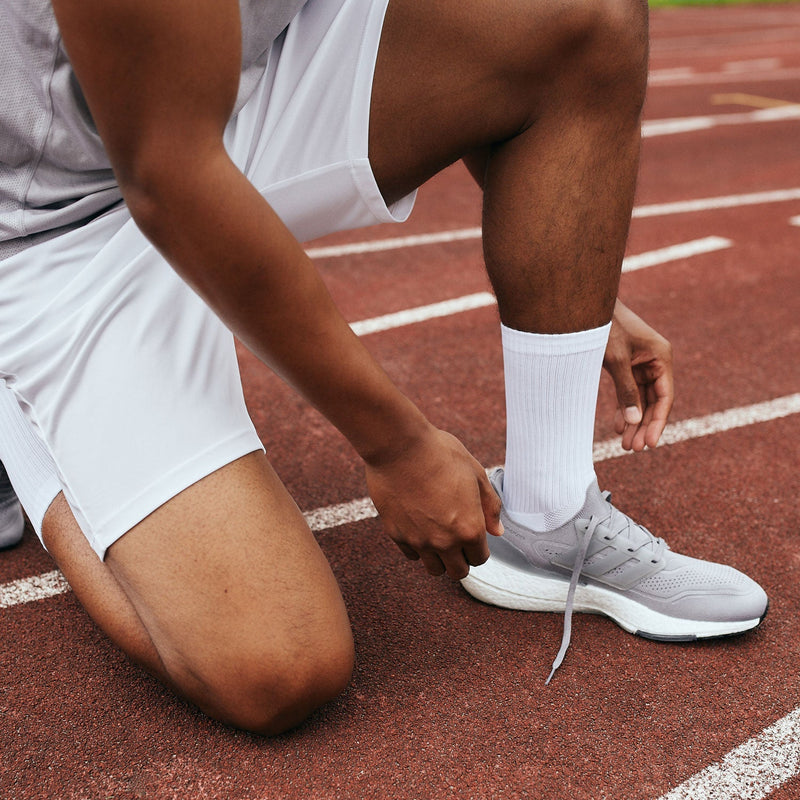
{"x":161,"y":77}
{"x":639,"y":361}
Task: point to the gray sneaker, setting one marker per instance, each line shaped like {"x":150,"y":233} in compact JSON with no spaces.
{"x":602,"y":562}
{"x":12,"y":522}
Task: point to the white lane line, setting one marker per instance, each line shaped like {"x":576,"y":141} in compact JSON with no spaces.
{"x":422,"y":313}
{"x":675,"y":252}
{"x":680,"y":77}
{"x":665,"y":127}
{"x":667,"y":74}
{"x":750,"y":771}
{"x":332,"y":516}
{"x":38,"y":587}
{"x":322,"y":519}
{"x":378,"y":245}
{"x":468,"y":302}
{"x":752,"y":65}
{"x":715,"y":203}
{"x":658,"y":210}
{"x":795,"y":221}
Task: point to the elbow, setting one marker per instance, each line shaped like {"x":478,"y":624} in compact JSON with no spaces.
{"x":147,"y":192}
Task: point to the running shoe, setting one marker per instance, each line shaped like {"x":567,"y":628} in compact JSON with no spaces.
{"x":11,"y":519}
{"x":602,"y":562}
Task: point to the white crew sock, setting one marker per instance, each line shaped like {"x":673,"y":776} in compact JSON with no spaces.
{"x":551,"y":396}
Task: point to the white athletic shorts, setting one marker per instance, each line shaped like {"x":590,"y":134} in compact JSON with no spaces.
{"x":119,"y":386}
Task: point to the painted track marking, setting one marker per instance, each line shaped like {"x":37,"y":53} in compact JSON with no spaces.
{"x":50,"y":584}
{"x":681,"y":77}
{"x":27,"y":590}
{"x":675,"y":252}
{"x":751,"y":65}
{"x":376,"y":246}
{"x":656,"y":210}
{"x":715,"y":203}
{"x":750,"y":771}
{"x":411,"y":315}
{"x":668,"y":127}
{"x":683,"y":431}
{"x":743,"y":99}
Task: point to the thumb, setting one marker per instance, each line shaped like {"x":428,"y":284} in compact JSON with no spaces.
{"x":628,"y":397}
{"x":491,"y":505}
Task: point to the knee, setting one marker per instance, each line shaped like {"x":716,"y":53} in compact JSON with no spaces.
{"x":587,"y":51}
{"x":620,"y":45}
{"x":277,"y":702}
{"x":271,"y":692}
{"x":606,"y":41}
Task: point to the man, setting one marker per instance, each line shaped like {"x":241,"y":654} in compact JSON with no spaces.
{"x":231,"y":137}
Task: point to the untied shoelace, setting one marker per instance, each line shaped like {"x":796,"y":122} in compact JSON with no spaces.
{"x":584,"y":538}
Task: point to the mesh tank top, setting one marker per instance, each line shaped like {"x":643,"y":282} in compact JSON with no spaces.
{"x":54,"y":171}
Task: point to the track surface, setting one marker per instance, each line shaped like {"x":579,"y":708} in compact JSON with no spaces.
{"x":448,"y":699}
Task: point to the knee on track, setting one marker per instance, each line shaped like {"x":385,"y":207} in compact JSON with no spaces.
{"x":271,"y":691}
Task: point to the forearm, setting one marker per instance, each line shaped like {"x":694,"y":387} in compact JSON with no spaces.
{"x":243,"y":261}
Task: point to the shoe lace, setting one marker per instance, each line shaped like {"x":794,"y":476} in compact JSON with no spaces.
{"x":583,"y":545}
{"x":616,"y":523}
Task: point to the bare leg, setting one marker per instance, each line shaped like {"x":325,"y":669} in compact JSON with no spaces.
{"x":543,"y":102}
{"x":223,"y":594}
{"x":544,"y":99}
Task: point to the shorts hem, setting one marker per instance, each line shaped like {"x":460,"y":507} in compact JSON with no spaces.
{"x":40,"y":503}
{"x":169,"y":485}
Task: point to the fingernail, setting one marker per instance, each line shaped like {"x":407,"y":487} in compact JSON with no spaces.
{"x":632,"y":415}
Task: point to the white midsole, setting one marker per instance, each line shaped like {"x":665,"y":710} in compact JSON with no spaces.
{"x":502,"y":585}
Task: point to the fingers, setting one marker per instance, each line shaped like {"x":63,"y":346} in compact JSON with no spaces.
{"x":628,"y":395}
{"x":490,"y":502}
{"x":639,"y":361}
{"x":455,"y":563}
{"x":660,"y":399}
{"x":629,"y":416}
{"x":437,"y":504}
{"x":455,"y":560}
{"x":467,"y":546}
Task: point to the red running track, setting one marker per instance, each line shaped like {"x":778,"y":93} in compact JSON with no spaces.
{"x":448,"y":699}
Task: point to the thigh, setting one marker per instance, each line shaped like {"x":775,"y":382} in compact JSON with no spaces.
{"x":454,"y":77}
{"x":229,"y":560}
{"x":222,"y":593}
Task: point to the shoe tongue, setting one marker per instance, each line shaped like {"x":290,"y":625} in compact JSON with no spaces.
{"x":596,"y":505}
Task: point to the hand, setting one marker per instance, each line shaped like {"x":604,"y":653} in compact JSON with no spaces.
{"x":437,"y":504}
{"x":639,"y":361}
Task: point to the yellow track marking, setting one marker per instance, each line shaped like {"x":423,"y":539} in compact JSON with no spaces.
{"x":752,"y":100}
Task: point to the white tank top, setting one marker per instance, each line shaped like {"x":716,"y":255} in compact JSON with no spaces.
{"x":54,"y":171}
